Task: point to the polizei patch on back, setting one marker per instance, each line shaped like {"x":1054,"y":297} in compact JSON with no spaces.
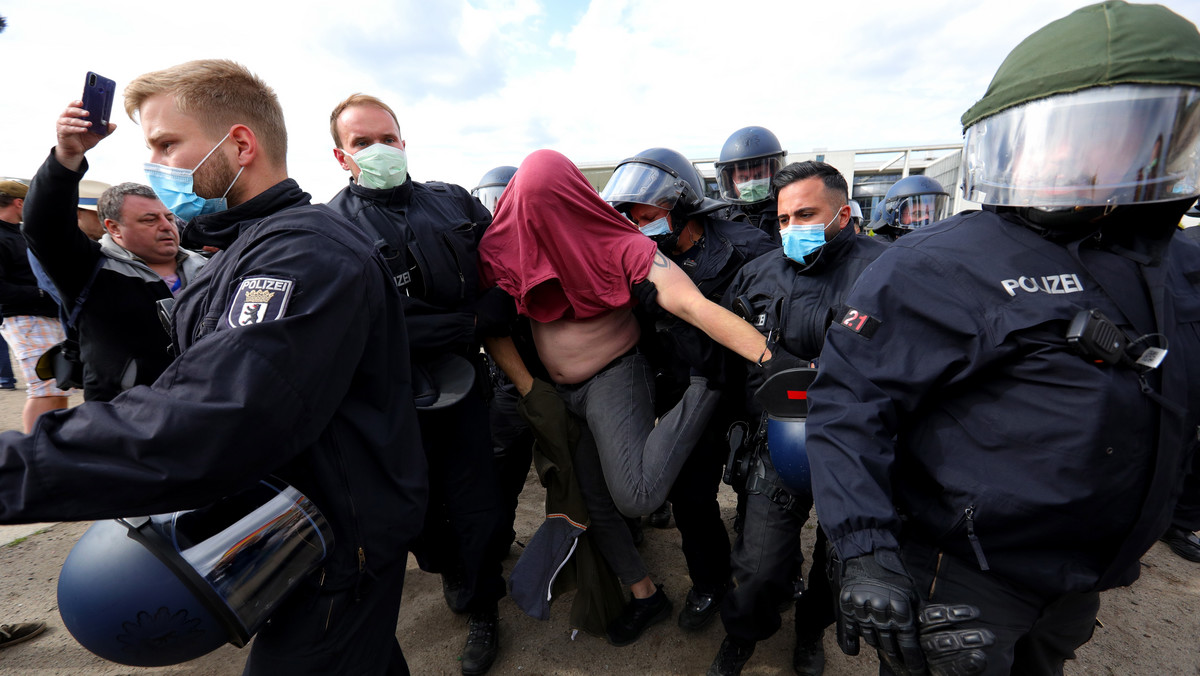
{"x":258,"y":300}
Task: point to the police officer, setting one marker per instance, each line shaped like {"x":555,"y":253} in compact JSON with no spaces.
{"x":287,"y":365}
{"x":790,"y":294}
{"x":492,"y":185}
{"x":745,"y":167}
{"x":710,"y":251}
{"x":912,"y":202}
{"x":512,"y":440}
{"x":432,"y":231}
{"x":975,"y":529}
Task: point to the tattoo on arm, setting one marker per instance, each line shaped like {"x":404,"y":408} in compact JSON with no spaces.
{"x":660,"y":261}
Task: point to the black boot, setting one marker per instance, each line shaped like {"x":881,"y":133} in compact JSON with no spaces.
{"x":483,"y":643}
{"x":637,"y":616}
{"x":808,"y":657}
{"x":661,"y":517}
{"x":1183,"y":542}
{"x":731,"y":657}
{"x":700,"y":608}
{"x":452,"y":587}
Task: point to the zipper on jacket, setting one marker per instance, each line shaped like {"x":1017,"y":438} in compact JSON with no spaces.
{"x":970,"y":514}
{"x":462,"y":280}
{"x":362,"y":554}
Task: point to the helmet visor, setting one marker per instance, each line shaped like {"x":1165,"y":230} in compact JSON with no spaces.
{"x":915,"y":211}
{"x":748,"y":181}
{"x":1125,"y":144}
{"x":489,"y":195}
{"x":642,"y":184}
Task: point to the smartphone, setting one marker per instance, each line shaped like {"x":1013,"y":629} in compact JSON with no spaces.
{"x":98,"y":92}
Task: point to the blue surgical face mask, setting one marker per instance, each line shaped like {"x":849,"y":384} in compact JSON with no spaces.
{"x":802,"y":239}
{"x":656,"y":228}
{"x":174,"y":186}
{"x":381,"y":167}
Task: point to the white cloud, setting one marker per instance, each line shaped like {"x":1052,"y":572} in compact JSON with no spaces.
{"x":482,"y":83}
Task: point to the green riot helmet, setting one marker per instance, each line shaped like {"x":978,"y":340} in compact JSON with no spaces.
{"x":1096,"y":110}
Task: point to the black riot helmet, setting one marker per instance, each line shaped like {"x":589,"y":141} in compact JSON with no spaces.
{"x":492,"y":185}
{"x":662,"y":178}
{"x":749,"y":160}
{"x":915,"y":201}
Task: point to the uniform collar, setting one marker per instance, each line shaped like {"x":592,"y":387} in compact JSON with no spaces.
{"x":399,"y":196}
{"x":222,"y":228}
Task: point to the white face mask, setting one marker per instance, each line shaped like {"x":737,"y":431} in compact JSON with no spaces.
{"x":381,"y":167}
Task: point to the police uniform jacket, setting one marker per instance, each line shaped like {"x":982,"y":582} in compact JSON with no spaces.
{"x":120,"y":334}
{"x":948,"y":394}
{"x":19,"y":292}
{"x":796,"y":301}
{"x":287,"y":365}
{"x":432,"y":231}
{"x":725,"y":248}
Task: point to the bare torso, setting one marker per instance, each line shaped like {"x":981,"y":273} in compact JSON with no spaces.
{"x":575,"y":350}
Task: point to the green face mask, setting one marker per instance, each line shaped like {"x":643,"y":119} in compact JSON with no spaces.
{"x":381,"y":167}
{"x":755,"y":190}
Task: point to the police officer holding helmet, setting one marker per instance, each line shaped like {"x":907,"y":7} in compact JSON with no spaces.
{"x":661,"y":192}
{"x":912,"y":202}
{"x":748,"y":161}
{"x":975,"y":529}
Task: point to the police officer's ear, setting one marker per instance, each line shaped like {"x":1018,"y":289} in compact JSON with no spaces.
{"x":248,"y":149}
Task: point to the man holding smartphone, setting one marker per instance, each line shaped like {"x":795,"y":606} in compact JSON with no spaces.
{"x":137,"y":263}
{"x":245,"y":398}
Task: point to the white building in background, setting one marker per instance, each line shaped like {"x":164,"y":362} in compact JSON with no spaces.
{"x":870,"y":172}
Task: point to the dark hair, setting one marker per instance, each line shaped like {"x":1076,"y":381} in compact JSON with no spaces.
{"x":113,"y":200}
{"x":834,"y":182}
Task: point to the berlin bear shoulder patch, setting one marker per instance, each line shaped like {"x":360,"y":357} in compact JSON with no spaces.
{"x":258,"y":300}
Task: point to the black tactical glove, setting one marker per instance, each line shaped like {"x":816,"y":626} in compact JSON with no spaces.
{"x":781,"y":360}
{"x":951,"y":651}
{"x":878,"y":603}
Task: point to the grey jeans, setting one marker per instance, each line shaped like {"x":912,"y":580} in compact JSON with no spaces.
{"x":625,"y":464}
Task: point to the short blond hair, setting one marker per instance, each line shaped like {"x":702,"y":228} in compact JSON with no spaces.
{"x":350,"y":102}
{"x":219,"y":93}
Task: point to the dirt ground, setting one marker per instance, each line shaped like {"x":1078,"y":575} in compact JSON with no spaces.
{"x":1150,"y":628}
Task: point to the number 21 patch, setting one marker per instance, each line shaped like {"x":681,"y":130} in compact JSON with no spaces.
{"x":859,"y":322}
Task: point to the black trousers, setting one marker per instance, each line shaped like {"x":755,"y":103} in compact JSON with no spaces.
{"x":1035,"y":635}
{"x":766,"y":557}
{"x":323,"y":632}
{"x":512,"y":449}
{"x":693,"y":497}
{"x":464,"y":531}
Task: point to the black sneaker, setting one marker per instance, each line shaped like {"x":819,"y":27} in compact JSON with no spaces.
{"x":637,"y":616}
{"x":483,"y":643}
{"x":808,"y":657}
{"x":11,"y":634}
{"x":699,"y":608}
{"x":452,"y":588}
{"x":661,"y":517}
{"x":733,"y":654}
{"x":1183,"y":542}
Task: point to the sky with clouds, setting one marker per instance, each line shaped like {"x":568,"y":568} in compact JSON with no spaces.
{"x":482,"y":83}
